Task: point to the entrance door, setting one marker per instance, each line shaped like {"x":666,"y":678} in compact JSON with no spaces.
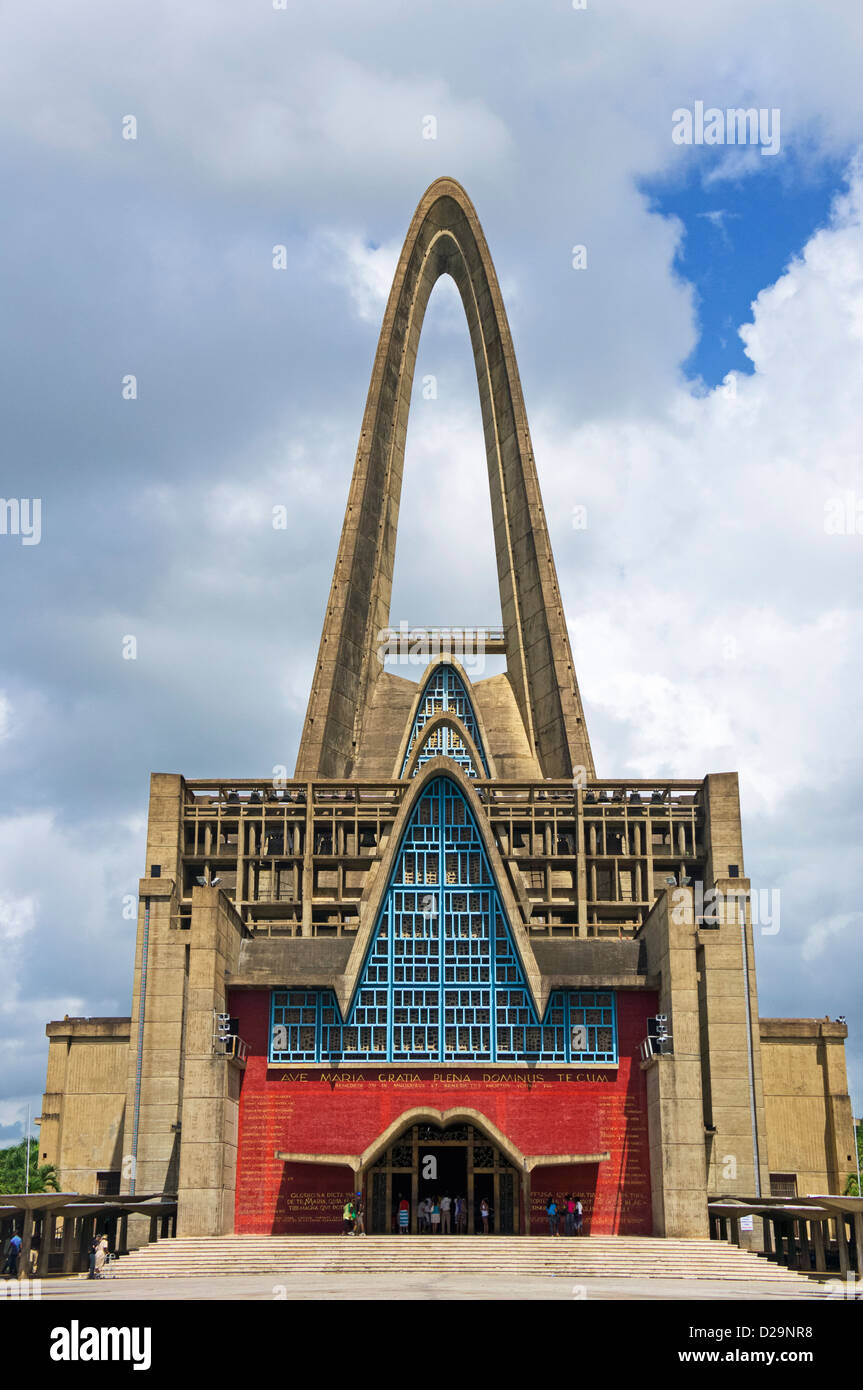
{"x":426,"y":1161}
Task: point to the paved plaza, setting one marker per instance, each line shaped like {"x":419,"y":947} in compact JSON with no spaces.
{"x":426,"y":1288}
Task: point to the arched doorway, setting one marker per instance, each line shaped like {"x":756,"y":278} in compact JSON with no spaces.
{"x":427,"y":1160}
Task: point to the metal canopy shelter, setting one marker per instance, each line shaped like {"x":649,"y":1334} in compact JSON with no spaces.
{"x":797,"y":1227}
{"x":70,"y":1207}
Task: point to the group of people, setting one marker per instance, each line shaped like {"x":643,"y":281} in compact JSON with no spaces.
{"x":354,"y":1216}
{"x":440,"y":1215}
{"x":572,"y":1212}
{"x":98,"y":1256}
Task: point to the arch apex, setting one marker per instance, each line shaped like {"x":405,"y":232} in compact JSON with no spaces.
{"x":445,"y":186}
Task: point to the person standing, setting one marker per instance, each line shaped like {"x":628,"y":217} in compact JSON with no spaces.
{"x":94,"y":1246}
{"x":460,"y":1215}
{"x":551,"y":1213}
{"x":404,"y":1215}
{"x":445,"y":1211}
{"x":360,"y":1211}
{"x":569,"y":1215}
{"x":435,"y":1217}
{"x":11,"y":1254}
{"x":579,"y":1216}
{"x":101,"y":1254}
{"x":348,"y":1214}
{"x":484,"y":1214}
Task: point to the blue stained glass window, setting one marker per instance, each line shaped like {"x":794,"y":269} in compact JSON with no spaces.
{"x":442,"y":980}
{"x":445,"y":692}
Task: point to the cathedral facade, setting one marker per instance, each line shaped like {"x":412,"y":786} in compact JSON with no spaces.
{"x":446,"y":957}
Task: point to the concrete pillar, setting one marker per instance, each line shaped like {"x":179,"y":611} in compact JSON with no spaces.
{"x":157,"y":1099}
{"x":70,"y":1248}
{"x":840,"y":1132}
{"x":842,"y":1240}
{"x":858,"y":1237}
{"x":26,"y":1243}
{"x":308,"y":870}
{"x":46,"y":1243}
{"x":674,"y":1094}
{"x":730,"y":1040}
{"x":581,"y":865}
{"x":211,"y":1083}
{"x":818,"y":1241}
{"x":805,"y":1260}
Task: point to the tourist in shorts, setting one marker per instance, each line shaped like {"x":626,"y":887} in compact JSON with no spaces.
{"x":348,"y":1215}
{"x":445,"y":1213}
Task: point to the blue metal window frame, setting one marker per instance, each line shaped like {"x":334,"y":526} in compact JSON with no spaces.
{"x":442,"y":980}
{"x":445,"y":692}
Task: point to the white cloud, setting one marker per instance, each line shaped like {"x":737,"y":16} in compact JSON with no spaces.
{"x":17,"y":917}
{"x":712,"y":614}
{"x":366,"y":271}
{"x":824,"y":934}
{"x":63,"y":905}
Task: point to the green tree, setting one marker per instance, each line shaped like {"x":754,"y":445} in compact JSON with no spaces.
{"x":13,"y":1169}
{"x":852,"y":1187}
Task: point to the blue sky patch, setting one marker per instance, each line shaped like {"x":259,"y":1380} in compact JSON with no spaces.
{"x":740,"y":236}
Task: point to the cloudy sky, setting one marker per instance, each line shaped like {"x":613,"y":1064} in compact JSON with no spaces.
{"x":695,"y":385}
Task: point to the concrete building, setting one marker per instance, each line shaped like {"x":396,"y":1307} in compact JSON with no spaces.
{"x":446,"y":955}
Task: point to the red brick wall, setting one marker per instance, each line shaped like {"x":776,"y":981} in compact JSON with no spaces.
{"x":564,"y":1110}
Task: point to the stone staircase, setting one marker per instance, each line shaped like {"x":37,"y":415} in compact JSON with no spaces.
{"x":429,"y":1256}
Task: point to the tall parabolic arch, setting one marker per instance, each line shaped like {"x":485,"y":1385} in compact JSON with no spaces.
{"x":445,"y":238}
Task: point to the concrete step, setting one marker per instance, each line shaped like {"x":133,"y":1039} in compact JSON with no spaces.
{"x":618,"y":1257}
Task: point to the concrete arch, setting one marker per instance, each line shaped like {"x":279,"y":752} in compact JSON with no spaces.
{"x":444,"y":238}
{"x":446,"y":719}
{"x":419,"y":1114}
{"x":376,"y":887}
{"x":425,"y":1114}
{"x":433,"y":666}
